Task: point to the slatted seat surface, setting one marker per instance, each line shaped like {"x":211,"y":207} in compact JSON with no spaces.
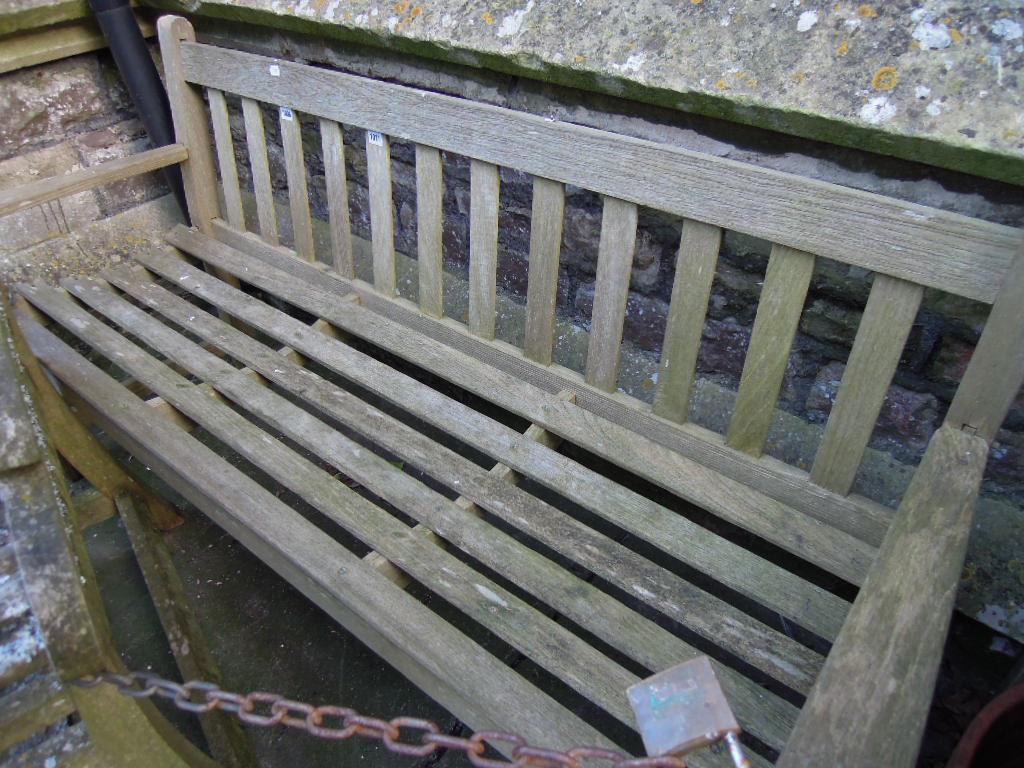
{"x":522,"y":540}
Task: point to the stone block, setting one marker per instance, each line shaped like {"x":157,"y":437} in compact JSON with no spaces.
{"x":113,"y":142}
{"x":24,"y":229}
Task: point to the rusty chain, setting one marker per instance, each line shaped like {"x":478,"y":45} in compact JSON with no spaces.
{"x":268,"y":710}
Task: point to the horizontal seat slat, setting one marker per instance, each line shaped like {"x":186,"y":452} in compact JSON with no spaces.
{"x":550,"y":645}
{"x":827,"y":547}
{"x":730,"y":564}
{"x":485,"y":694}
{"x":767,"y":650}
{"x":935,"y":248}
{"x":762,"y":713}
{"x":856,"y":515}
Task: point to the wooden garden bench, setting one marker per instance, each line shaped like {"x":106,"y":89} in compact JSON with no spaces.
{"x":539,"y":567}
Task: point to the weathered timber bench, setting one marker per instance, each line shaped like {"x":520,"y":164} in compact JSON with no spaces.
{"x":594,"y":575}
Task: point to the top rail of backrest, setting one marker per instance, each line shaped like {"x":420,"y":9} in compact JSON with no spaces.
{"x":934,"y":248}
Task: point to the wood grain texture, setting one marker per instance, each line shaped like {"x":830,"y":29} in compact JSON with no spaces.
{"x":79,"y":447}
{"x":595,"y":611}
{"x":830,"y":548}
{"x":337,"y":198}
{"x":382,"y":224}
{"x":484,"y":694}
{"x":775,"y":325}
{"x":484,"y":184}
{"x":32,"y":708}
{"x":738,"y":568}
{"x":429,"y":228}
{"x":546,"y":218}
{"x":550,"y":645}
{"x":888,"y":317}
{"x":25,"y":196}
{"x":226,"y":158}
{"x":298,"y":194}
{"x":994,"y":375}
{"x":691,"y":290}
{"x":856,"y":515}
{"x":190,"y":125}
{"x":913,"y":242}
{"x":884,"y":664}
{"x":611,"y":290}
{"x":256,"y":143}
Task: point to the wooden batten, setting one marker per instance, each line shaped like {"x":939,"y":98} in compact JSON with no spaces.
{"x":483,"y":247}
{"x":429,"y":230}
{"x":382,"y":225}
{"x":337,"y":198}
{"x":256,"y":143}
{"x":542,"y":274}
{"x":298,"y":194}
{"x":226,"y":158}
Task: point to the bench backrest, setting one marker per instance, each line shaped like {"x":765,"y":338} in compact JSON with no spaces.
{"x":908,"y":247}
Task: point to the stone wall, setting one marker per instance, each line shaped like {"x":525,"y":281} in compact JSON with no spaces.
{"x":55,"y":118}
{"x":943,"y":336}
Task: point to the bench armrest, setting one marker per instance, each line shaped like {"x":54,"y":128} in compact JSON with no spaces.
{"x":35,"y":193}
{"x":871,"y":700}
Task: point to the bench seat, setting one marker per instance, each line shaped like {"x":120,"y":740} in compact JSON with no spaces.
{"x":582,"y":575}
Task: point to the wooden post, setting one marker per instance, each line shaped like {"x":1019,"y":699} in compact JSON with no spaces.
{"x":190,"y":125}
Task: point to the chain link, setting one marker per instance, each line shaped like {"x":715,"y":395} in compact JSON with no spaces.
{"x":268,"y":710}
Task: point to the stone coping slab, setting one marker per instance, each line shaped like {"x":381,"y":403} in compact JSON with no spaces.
{"x":933,"y":81}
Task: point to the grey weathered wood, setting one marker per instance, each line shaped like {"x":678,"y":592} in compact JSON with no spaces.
{"x":775,"y":326}
{"x":695,"y":271}
{"x":611,"y":290}
{"x":542,"y":275}
{"x":882,"y":669}
{"x":925,"y":245}
{"x":190,"y":125}
{"x":256,"y":143}
{"x":709,"y":617}
{"x":832,"y":549}
{"x":738,"y":568}
{"x":586,"y":605}
{"x":994,"y":374}
{"x":35,"y":193}
{"x":382,"y":225}
{"x":484,"y":694}
{"x":856,"y":515}
{"x":888,"y":317}
{"x":547,"y":643}
{"x":337,"y":198}
{"x":429,"y":227}
{"x":226,"y":158}
{"x":298,"y":195}
{"x":484,"y":184}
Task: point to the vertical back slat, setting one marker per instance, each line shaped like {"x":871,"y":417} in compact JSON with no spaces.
{"x":775,"y":326}
{"x":226,"y":158}
{"x":888,"y":317}
{"x":484,"y":185}
{"x":429,"y":220}
{"x":695,"y":271}
{"x":298,"y":194}
{"x":382,"y":224}
{"x":993,"y":377}
{"x":190,"y":125}
{"x":611,"y":292}
{"x":337,"y":198}
{"x":542,"y":276}
{"x":256,"y":141}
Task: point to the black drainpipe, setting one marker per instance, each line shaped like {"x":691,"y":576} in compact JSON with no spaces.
{"x":139,"y":73}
